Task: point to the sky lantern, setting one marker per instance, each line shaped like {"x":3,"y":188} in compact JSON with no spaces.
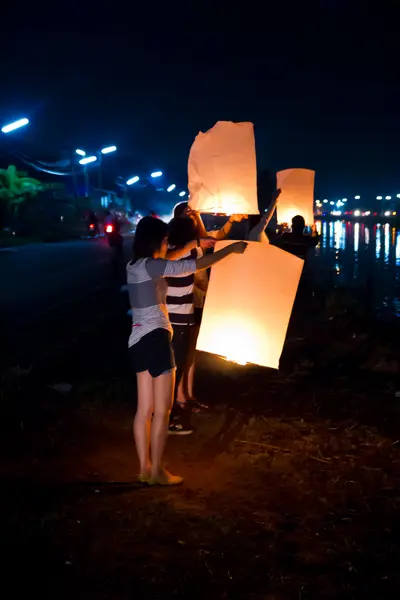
{"x":297,"y":197}
{"x":248,"y":304}
{"x":222,"y":170}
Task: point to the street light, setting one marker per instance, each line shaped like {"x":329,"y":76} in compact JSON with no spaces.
{"x":80,"y":152}
{"x":379,"y":197}
{"x":357,"y":197}
{"x":344,"y":199}
{"x":132,"y":180}
{"x":15,"y":125}
{"x":87,"y":160}
{"x":331,"y":203}
{"x":182,"y":194}
{"x":325,"y":201}
{"x":156,"y":174}
{"x":108,"y":149}
{"x":388,"y":197}
{"x":171,"y":187}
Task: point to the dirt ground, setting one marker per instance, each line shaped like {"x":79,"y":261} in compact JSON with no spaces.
{"x":292,"y":490}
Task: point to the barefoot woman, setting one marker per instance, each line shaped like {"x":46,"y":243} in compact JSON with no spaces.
{"x":150,"y":341}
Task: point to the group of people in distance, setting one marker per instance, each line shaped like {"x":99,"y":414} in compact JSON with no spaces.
{"x":167,"y":282}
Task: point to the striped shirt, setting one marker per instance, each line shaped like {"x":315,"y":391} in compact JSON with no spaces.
{"x":180,"y":294}
{"x":148,"y":290}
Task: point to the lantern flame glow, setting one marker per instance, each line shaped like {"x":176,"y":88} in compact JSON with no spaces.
{"x":248,"y":304}
{"x":222,"y":170}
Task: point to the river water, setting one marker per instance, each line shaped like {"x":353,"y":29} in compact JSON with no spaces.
{"x":363,"y":256}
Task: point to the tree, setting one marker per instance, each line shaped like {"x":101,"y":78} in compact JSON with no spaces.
{"x":15,"y":188}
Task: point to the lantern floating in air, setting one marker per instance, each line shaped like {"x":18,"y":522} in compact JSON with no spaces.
{"x":248,"y":305}
{"x":297,"y":197}
{"x":222,"y":170}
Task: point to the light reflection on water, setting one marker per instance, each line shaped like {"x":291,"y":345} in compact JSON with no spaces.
{"x":364,"y":256}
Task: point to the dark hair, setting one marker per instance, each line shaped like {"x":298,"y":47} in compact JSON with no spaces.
{"x":298,"y":224}
{"x":150,"y":233}
{"x":180,"y":209}
{"x":181,"y":231}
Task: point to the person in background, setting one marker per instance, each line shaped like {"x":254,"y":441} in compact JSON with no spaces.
{"x":150,"y":341}
{"x":297,"y":241}
{"x":184,"y":244}
{"x":183,"y":209}
{"x":257,"y":232}
{"x":200,"y":287}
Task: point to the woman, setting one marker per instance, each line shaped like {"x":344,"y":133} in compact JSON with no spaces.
{"x":150,"y":341}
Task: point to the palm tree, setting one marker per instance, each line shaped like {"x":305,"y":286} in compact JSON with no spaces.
{"x":15,"y":188}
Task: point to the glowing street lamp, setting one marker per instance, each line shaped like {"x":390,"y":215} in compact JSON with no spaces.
{"x":15,"y":125}
{"x":357,"y":213}
{"x":132,"y":180}
{"x":80,"y":152}
{"x":171,"y":187}
{"x":344,"y":199}
{"x":325,"y":201}
{"x":182,"y":194}
{"x":379,"y":197}
{"x":156,"y":174}
{"x":388,"y":197}
{"x":331,"y":203}
{"x":87,"y":160}
{"x":108,"y":149}
{"x":357,"y":197}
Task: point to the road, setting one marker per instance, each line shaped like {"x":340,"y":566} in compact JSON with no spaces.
{"x":43,"y":280}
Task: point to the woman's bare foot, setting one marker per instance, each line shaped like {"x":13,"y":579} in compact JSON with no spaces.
{"x":165,"y":478}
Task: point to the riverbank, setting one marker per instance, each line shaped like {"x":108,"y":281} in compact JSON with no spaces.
{"x":292,"y":481}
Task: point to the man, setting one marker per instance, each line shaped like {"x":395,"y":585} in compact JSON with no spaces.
{"x":185,"y":302}
{"x":296,"y":241}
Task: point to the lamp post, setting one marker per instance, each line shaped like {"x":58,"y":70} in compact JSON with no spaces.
{"x":89,"y":159}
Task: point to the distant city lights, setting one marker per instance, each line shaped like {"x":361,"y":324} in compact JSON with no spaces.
{"x":387,"y":213}
{"x":132,"y":180}
{"x":80,"y":152}
{"x":388,"y":197}
{"x":87,"y":160}
{"x":357,"y":213}
{"x":367,"y":213}
{"x":108,"y":149}
{"x":182,"y":194}
{"x":325,"y":201}
{"x":379,"y":197}
{"x":357,"y":197}
{"x":331,"y":203}
{"x":397,"y":195}
{"x":344,"y":199}
{"x":156,"y":174}
{"x":15,"y":125}
{"x":171,"y":187}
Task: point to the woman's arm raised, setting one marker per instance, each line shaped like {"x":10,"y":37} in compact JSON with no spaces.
{"x":210,"y":259}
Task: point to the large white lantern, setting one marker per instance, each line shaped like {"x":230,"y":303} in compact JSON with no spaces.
{"x":248,"y":304}
{"x":297,"y":197}
{"x":222,"y":170}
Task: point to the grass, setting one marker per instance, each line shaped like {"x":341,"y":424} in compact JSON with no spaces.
{"x":292,"y":481}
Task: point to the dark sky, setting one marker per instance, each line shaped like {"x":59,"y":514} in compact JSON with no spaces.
{"x":320,"y":84}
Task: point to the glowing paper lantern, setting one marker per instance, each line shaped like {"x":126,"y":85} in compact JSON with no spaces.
{"x":248,"y":304}
{"x":297,"y":197}
{"x":222,"y":170}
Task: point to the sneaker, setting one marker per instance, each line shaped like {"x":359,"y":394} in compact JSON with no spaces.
{"x":177,"y":428}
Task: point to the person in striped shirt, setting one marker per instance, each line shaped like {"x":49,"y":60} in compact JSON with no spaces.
{"x":187,"y":336}
{"x":150,"y":340}
{"x":185,"y":244}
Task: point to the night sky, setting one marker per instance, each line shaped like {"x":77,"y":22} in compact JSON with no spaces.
{"x":322,"y":88}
